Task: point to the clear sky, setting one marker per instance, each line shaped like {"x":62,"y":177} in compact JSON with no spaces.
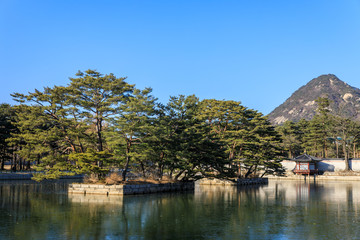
{"x":257,"y":52}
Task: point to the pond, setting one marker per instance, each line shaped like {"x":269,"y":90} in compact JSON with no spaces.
{"x":279,"y":210}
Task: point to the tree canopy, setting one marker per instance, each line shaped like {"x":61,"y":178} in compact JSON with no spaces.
{"x":327,"y":135}
{"x":100,"y":123}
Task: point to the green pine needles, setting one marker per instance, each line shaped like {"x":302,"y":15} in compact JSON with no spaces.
{"x":100,"y":123}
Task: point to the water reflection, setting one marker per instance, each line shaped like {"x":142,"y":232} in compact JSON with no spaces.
{"x":279,"y":210}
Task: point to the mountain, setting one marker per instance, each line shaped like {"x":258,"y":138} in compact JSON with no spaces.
{"x":345,"y":100}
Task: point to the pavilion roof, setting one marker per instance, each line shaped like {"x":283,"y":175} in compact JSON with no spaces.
{"x":306,"y":158}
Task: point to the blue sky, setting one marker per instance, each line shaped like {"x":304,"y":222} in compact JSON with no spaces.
{"x":257,"y":52}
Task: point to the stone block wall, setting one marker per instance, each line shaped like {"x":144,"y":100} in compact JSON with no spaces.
{"x":245,"y":181}
{"x":103,"y":189}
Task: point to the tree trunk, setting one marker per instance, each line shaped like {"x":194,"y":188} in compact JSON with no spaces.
{"x":28,"y":167}
{"x":255,"y":170}
{"x":346,"y":157}
{"x":171,"y":173}
{"x":14,"y":166}
{"x":143,"y":169}
{"x":249,"y":171}
{"x":161,"y":165}
{"x":13,"y":162}
{"x":354,"y":150}
{"x":125,"y":168}
{"x":20,"y":164}
{"x":239,"y":170}
{"x":326,"y":150}
{"x":179,"y":174}
{"x":2,"y":161}
{"x":99,"y":130}
{"x":127,"y":161}
{"x":100,"y":143}
{"x":2,"y":164}
{"x":263,"y":173}
{"x":290,"y":152}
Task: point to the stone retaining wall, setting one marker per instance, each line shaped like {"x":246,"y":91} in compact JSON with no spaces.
{"x":239,"y":182}
{"x":103,"y":189}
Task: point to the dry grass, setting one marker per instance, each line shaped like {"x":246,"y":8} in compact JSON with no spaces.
{"x":154,"y":181}
{"x":116,"y":179}
{"x":92,"y":178}
{"x":113,"y":178}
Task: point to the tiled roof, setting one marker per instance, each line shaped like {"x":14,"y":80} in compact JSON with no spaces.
{"x":306,"y":158}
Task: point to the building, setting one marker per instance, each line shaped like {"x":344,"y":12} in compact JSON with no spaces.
{"x":306,"y":165}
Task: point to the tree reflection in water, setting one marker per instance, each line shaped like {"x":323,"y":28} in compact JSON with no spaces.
{"x":280,"y":210}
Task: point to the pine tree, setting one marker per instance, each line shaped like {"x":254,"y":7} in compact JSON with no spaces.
{"x":130,"y":127}
{"x":7,"y":115}
{"x":251,"y":142}
{"x":265,"y":148}
{"x":318,"y":131}
{"x":346,"y":131}
{"x":291,"y":138}
{"x":60,"y":121}
{"x":97,"y":97}
{"x":44,"y":134}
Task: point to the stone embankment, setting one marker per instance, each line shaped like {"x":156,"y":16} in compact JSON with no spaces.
{"x":239,"y":182}
{"x":129,"y":189}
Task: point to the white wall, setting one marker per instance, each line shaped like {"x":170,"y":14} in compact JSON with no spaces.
{"x":355,"y":164}
{"x":331,"y":165}
{"x":327,"y":165}
{"x":288,"y":165}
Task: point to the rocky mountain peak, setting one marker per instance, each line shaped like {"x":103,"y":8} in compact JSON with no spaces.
{"x":345,"y":100}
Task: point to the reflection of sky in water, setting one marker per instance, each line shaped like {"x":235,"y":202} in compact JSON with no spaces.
{"x":279,"y":210}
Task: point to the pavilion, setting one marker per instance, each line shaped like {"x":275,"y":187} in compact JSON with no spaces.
{"x":306,"y":164}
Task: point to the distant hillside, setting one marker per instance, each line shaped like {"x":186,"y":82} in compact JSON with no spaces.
{"x":345,"y":100}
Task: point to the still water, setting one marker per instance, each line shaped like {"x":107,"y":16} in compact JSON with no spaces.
{"x":279,"y":210}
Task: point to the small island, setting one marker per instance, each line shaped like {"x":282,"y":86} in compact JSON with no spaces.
{"x":100,"y":125}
